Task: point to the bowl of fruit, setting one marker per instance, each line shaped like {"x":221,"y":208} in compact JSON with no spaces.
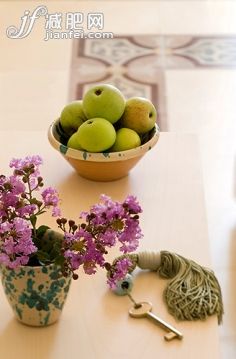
{"x":103,"y":135}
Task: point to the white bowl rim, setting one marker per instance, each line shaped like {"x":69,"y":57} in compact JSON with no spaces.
{"x":101,"y":156}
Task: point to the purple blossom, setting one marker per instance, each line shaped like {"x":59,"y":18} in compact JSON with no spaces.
{"x":93,"y":257}
{"x":26,"y":210}
{"x":9,"y":199}
{"x":2,"y":179}
{"x":56,"y":212}
{"x":32,"y":162}
{"x":5,"y":227}
{"x":133,"y":204}
{"x":106,"y":210}
{"x":130,"y":246}
{"x":89,"y":256}
{"x":4,"y":259}
{"x":120,"y":269}
{"x":16,"y":242}
{"x":19,"y":209}
{"x":20,"y":164}
{"x":18,"y":186}
{"x":51,"y":198}
{"x":105,"y":225}
{"x":80,"y":234}
{"x":108,"y":238}
{"x":19,"y":261}
{"x":130,"y":236}
{"x":68,"y":237}
{"x":75,"y":259}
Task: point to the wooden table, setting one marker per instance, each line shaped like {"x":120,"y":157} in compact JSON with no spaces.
{"x":95,"y":322}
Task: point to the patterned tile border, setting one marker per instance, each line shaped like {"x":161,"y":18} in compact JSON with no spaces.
{"x":137,"y":64}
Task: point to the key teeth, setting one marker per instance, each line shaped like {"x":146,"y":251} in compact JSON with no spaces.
{"x":170,"y":336}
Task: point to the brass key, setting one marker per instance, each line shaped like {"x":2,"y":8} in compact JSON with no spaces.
{"x":143,"y":309}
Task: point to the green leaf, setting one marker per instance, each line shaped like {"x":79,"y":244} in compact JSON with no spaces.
{"x":55,"y":252}
{"x":34,"y":201}
{"x":33,"y":220}
{"x":59,"y":260}
{"x":41,"y":231}
{"x":43,"y":256}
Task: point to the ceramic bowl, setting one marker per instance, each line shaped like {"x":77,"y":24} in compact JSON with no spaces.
{"x":102,"y":166}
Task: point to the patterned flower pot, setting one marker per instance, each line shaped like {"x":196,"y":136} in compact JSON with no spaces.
{"x":36,"y":294}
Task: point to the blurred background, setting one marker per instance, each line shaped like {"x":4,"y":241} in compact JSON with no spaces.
{"x":180,"y":54}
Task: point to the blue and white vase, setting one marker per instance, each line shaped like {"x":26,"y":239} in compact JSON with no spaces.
{"x":36,"y":294}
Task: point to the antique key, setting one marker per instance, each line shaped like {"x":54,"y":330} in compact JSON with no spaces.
{"x":143,"y":309}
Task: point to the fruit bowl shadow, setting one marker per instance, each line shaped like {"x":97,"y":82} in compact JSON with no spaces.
{"x":102,"y":166}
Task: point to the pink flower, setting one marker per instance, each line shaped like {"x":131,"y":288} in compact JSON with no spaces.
{"x":56,"y":212}
{"x":20,"y":164}
{"x":23,"y":165}
{"x":121,"y":269}
{"x":16,"y":242}
{"x":4,"y":259}
{"x":133,"y":204}
{"x":130,"y":236}
{"x":51,"y":198}
{"x":18,"y":186}
{"x":106,"y":224}
{"x":26,"y":210}
{"x":75,"y":259}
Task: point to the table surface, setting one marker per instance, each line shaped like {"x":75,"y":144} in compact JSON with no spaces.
{"x":95,"y":322}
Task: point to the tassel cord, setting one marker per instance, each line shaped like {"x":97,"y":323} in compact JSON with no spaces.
{"x":193,"y":291}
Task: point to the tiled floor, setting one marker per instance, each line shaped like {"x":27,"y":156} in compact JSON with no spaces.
{"x":188,"y":66}
{"x":138,"y":65}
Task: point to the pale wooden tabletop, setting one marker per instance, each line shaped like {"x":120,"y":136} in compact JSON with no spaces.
{"x":95,"y":322}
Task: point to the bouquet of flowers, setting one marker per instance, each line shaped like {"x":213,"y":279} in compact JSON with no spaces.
{"x":85,"y":244}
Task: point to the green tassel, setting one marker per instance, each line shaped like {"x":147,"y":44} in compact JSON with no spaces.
{"x":193,"y":292}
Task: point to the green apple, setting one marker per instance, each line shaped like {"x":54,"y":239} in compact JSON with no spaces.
{"x":125,"y":140}
{"x":104,"y":101}
{"x":140,"y":115}
{"x":94,"y":135}
{"x":73,"y":142}
{"x":72,"y":116}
